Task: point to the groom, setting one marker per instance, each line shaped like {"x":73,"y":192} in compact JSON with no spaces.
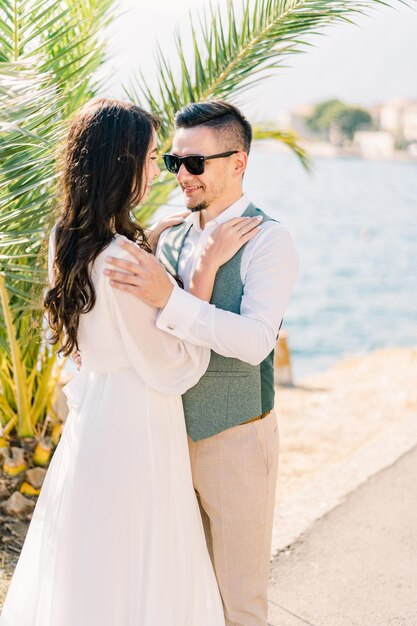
{"x":231,"y":424}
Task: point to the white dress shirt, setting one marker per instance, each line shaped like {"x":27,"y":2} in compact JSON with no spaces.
{"x":269,"y":269}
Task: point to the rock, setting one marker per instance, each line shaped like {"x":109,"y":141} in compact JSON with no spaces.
{"x":4,"y":490}
{"x":36,"y":476}
{"x":18,"y":506}
{"x":18,"y":530}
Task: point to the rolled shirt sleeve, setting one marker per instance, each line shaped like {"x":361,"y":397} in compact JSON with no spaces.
{"x":269,"y":275}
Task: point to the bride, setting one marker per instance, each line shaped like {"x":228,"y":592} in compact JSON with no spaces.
{"x":116,"y":538}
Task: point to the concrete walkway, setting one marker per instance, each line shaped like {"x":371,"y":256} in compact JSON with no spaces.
{"x":357,"y":566}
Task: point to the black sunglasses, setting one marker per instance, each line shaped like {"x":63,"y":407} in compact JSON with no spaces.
{"x":193,"y":163}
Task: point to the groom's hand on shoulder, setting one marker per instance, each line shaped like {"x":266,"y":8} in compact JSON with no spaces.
{"x":144,"y":276}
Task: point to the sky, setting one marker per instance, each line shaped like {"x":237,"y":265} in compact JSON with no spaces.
{"x":366,"y":64}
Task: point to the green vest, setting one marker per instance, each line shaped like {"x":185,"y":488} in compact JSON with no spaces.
{"x":231,"y":391}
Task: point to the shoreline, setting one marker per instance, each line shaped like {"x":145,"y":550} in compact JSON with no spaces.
{"x":325,"y":150}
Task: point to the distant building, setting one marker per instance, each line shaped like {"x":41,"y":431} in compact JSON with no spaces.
{"x":374,"y":144}
{"x":410,"y":122}
{"x":394,"y":130}
{"x":412,"y":149}
{"x":399,"y":118}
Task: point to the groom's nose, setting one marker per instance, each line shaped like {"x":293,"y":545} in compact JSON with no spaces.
{"x":183,"y":174}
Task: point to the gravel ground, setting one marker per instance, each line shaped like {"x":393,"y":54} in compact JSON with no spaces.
{"x":331,"y":415}
{"x":338,"y":429}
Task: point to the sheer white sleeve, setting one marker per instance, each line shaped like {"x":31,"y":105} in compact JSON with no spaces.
{"x":166,"y":363}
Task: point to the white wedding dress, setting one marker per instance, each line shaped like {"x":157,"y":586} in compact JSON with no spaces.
{"x":116,"y":538}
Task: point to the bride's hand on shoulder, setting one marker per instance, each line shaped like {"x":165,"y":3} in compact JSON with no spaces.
{"x":155,"y":231}
{"x":228,"y":238}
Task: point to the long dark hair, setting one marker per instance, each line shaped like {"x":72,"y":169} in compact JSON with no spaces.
{"x":102,"y":179}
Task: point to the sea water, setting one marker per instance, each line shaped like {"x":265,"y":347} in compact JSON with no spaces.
{"x":355,"y":226}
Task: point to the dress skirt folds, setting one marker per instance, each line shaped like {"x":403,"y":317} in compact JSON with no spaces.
{"x":116,"y":538}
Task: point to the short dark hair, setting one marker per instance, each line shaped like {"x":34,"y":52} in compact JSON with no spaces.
{"x":220,"y":116}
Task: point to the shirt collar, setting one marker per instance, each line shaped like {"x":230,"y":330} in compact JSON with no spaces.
{"x":234,"y":210}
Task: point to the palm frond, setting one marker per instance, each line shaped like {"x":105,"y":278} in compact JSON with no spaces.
{"x":50,"y":52}
{"x":63,"y":35}
{"x":30,"y":129}
{"x":18,"y":368}
{"x":233,"y":52}
{"x":288,"y":138}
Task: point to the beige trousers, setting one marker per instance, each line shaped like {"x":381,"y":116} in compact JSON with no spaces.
{"x":234,"y":475}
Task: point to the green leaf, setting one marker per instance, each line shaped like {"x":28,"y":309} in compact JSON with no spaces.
{"x":49,"y":53}
{"x":19,"y":376}
{"x":289,"y":138}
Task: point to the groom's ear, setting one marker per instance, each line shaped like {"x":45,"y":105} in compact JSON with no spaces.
{"x":240,"y":163}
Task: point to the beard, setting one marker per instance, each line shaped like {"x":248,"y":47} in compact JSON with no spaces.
{"x":199,"y":207}
{"x":212,"y":192}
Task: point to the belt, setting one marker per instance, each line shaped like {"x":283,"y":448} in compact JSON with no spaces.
{"x":254,"y":419}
